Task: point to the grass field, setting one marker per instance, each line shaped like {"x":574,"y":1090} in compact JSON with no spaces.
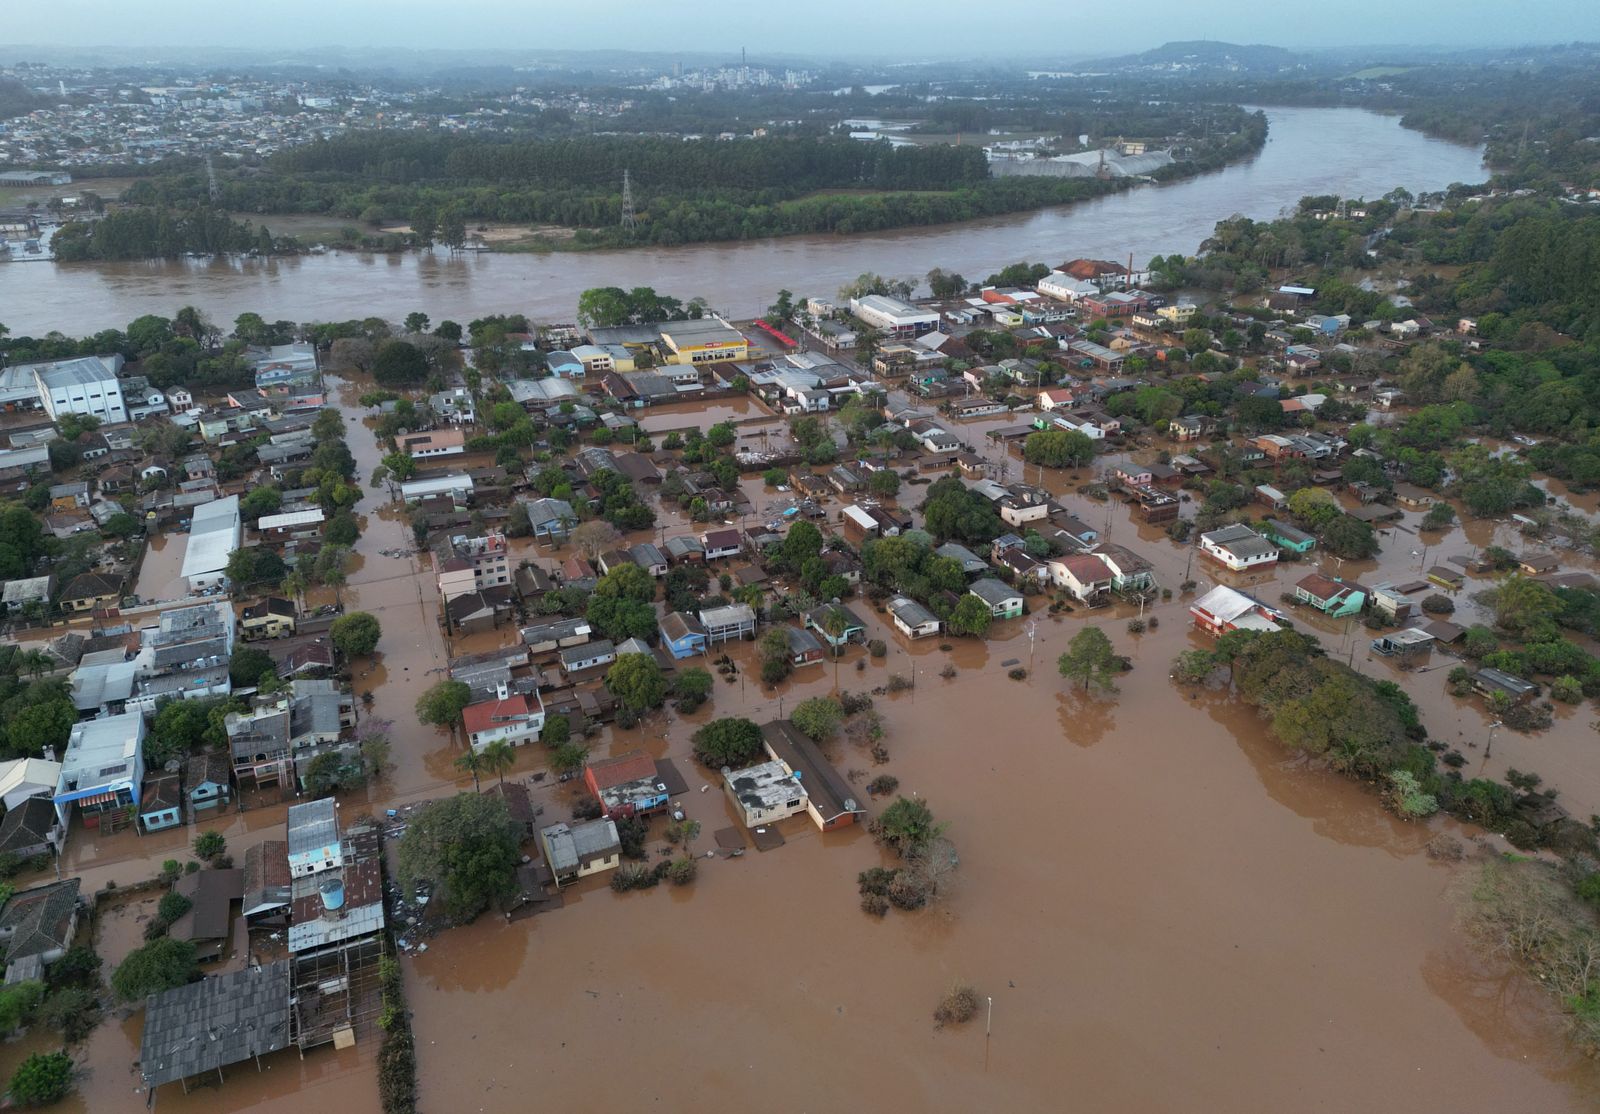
{"x":1373,"y":73}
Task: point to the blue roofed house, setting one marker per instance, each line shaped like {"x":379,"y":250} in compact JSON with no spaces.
{"x":683,"y":635}
{"x":564,"y":365}
{"x":550,"y":518}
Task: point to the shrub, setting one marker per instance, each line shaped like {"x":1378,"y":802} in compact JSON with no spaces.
{"x":1566,"y":689}
{"x":208,"y":845}
{"x":876,"y":648}
{"x":1406,"y":797}
{"x":898,"y":683}
{"x":586,"y":808}
{"x":874,"y":905}
{"x":958,"y":1006}
{"x":1136,"y":626}
{"x":680,"y":872}
{"x":948,"y":671}
{"x":41,"y":1079}
{"x":882,"y":785}
{"x":1438,"y":604}
{"x":173,"y":906}
{"x":73,"y":1011}
{"x":631,"y":876}
{"x":1017,"y":674}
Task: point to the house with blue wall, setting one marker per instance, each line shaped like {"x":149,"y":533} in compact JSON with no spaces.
{"x":683,"y":635}
{"x":1288,"y":536}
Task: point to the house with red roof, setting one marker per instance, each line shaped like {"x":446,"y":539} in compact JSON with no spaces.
{"x":627,"y":785}
{"x":510,"y":717}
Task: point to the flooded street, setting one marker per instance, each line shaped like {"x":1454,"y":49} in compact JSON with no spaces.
{"x":1125,"y":886}
{"x":1310,"y":151}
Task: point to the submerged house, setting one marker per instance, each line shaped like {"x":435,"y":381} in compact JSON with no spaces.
{"x":1330,"y":596}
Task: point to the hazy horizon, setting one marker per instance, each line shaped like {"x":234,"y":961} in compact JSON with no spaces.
{"x":888,"y":31}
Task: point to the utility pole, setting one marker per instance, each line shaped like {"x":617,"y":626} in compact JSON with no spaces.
{"x":630,"y":220}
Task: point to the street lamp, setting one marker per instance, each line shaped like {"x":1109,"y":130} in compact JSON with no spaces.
{"x":1488,"y":748}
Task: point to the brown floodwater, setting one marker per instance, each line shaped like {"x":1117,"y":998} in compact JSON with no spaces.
{"x":161,"y":573}
{"x":1157,"y":898}
{"x":1150,"y":924}
{"x":1309,"y":152}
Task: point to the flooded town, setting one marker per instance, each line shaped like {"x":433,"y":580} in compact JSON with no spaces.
{"x":1154,"y":666}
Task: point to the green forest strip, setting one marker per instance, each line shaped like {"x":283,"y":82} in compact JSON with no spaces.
{"x":686,"y":191}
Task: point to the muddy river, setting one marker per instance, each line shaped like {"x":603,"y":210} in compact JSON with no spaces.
{"x":1310,"y":151}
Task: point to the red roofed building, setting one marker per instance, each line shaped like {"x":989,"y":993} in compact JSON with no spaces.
{"x":626,"y":785}
{"x":1084,"y":575}
{"x":1094,"y":270}
{"x":510,"y":718}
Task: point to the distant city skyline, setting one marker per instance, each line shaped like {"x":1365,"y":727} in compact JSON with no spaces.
{"x":885,"y":30}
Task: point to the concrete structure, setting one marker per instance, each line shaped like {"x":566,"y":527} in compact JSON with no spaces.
{"x":734,"y":620}
{"x":1223,"y":609}
{"x":103,"y":767}
{"x":576,"y":850}
{"x":267,"y":618}
{"x":829,"y":800}
{"x":439,"y":442}
{"x":912,"y":619}
{"x":1003,"y":601}
{"x":456,"y":487}
{"x":215,"y":531}
{"x":764,"y":793}
{"x":22,"y":778}
{"x":627,"y":785}
{"x":1238,"y":548}
{"x":894,"y":318}
{"x":511,"y":718}
{"x":463,"y":564}
{"x":86,"y":385}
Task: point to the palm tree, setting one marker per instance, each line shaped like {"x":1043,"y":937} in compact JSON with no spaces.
{"x":34,"y":662}
{"x":471,"y":762}
{"x":835,"y":624}
{"x":295,"y":583}
{"x":333,"y":562}
{"x":497,"y":758}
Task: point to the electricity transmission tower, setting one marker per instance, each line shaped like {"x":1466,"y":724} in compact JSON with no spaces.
{"x":211,"y":181}
{"x":630,"y":220}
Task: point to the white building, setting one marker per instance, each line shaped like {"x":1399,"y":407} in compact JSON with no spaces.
{"x":214,"y":533}
{"x":893,"y":316}
{"x":1064,"y":288}
{"x":510,"y":718}
{"x":313,"y":832}
{"x":103,"y":767}
{"x":86,"y":385}
{"x":1238,"y":548}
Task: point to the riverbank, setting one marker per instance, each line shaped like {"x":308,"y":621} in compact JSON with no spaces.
{"x":1310,"y":152}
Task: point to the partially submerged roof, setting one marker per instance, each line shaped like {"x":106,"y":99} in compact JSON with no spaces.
{"x":830,"y":794}
{"x":218,"y":1021}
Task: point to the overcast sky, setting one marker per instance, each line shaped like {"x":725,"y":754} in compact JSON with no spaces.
{"x":878,"y":28}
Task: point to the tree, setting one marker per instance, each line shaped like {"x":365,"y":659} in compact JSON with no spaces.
{"x":467,"y":846}
{"x":557,"y":730}
{"x":246,"y":666}
{"x":1192,"y":667}
{"x":442,"y":705}
{"x":19,"y":1002}
{"x":333,"y":568}
{"x":628,"y":582}
{"x":730,"y":741}
{"x":1439,"y":516}
{"x":636,"y":680}
{"x":416,"y":321}
{"x":945,"y":284}
{"x":355,"y":635}
{"x":1315,"y":507}
{"x":1089,"y":659}
{"x":620,"y":619}
{"x":906,"y":826}
{"x":254,"y":566}
{"x":209,"y":845}
{"x":1058,"y":448}
{"x":970,"y":617}
{"x":162,"y":964}
{"x":569,"y":757}
{"x":471,"y":763}
{"x":773,"y":650}
{"x":818,"y":718}
{"x":399,"y":364}
{"x":1523,"y":608}
{"x":331,"y":771}
{"x":595,"y":537}
{"x":692,"y":685}
{"x":1350,"y":538}
{"x":42,"y":1079}
{"x":885,"y":483}
{"x":498,"y":757}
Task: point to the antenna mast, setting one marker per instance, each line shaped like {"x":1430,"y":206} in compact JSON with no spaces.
{"x":630,"y":220}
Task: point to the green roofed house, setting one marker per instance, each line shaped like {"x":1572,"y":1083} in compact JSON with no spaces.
{"x":1332,"y":597}
{"x":1288,"y":536}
